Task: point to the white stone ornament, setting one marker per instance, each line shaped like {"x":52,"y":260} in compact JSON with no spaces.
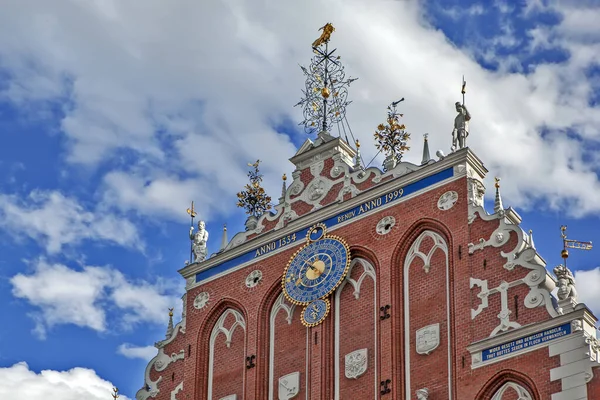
{"x":289,"y":386}
{"x":230,"y":397}
{"x":428,"y":338}
{"x":447,"y":200}
{"x":385,"y":225}
{"x":253,"y":279}
{"x":201,"y":300}
{"x":356,"y":363}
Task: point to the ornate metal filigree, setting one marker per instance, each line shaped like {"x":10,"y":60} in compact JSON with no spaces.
{"x":326,"y":94}
{"x":391,"y":138}
{"x":253,"y":198}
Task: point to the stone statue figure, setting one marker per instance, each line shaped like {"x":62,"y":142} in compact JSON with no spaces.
{"x":199,"y":240}
{"x":461,"y":127}
{"x":566,"y":283}
{"x":422,"y":394}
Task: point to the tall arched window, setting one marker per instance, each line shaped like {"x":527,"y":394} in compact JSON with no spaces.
{"x":512,"y":391}
{"x":227,"y":348}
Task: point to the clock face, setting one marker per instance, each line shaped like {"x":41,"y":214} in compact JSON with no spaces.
{"x":316,"y":270}
{"x":315,"y":312}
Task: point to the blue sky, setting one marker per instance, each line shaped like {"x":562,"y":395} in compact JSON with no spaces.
{"x":114,"y":116}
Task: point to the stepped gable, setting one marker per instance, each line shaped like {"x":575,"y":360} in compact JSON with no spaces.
{"x":326,"y":173}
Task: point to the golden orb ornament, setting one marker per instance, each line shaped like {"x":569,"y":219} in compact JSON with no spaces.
{"x":325,"y":92}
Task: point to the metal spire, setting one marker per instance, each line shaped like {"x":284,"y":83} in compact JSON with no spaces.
{"x":224,"y":240}
{"x":426,"y":156}
{"x":170,"y":326}
{"x":283,"y":188}
{"x":326,"y":91}
{"x":358,"y":161}
{"x":530,"y":241}
{"x":498,"y":201}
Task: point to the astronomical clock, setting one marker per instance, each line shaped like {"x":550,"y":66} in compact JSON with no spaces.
{"x":314,"y":272}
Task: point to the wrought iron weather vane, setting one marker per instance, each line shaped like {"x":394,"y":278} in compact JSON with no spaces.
{"x":326,"y":93}
{"x":571,"y":244}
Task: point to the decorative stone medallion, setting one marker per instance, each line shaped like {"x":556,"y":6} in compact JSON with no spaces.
{"x":356,"y":363}
{"x":428,"y":338}
{"x":447,"y":200}
{"x":201,"y":300}
{"x":385,"y":225}
{"x":253,"y":279}
{"x":289,"y":386}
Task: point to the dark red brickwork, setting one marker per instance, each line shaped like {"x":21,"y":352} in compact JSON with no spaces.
{"x":427,"y":304}
{"x":357,"y":331}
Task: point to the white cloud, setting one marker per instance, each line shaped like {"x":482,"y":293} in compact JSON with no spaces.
{"x":53,"y":220}
{"x":18,"y":382}
{"x":197,"y":103}
{"x":587,"y":284}
{"x":82,"y":297}
{"x":130,"y":351}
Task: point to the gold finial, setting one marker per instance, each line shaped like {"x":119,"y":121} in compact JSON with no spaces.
{"x":171,"y":312}
{"x":357,"y":144}
{"x":115,"y":393}
{"x":253,"y":198}
{"x":327,"y":29}
{"x":284,"y":177}
{"x":497,"y":184}
{"x":191,"y":211}
{"x":325,"y":92}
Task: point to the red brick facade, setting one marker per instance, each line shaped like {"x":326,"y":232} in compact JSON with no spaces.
{"x":389,"y":270}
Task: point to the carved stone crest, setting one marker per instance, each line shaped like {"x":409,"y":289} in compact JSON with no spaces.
{"x":356,"y":363}
{"x":316,"y":189}
{"x":428,"y":338}
{"x":289,"y":385}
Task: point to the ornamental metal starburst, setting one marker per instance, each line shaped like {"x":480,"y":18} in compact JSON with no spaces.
{"x":253,"y":198}
{"x":326,"y":93}
{"x":391,"y":138}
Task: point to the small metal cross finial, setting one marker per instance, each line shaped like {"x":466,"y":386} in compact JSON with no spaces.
{"x":171,"y":312}
{"x":497,"y":180}
{"x":115,"y":393}
{"x":425,"y":136}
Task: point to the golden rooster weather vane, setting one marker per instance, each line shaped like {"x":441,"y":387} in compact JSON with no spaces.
{"x":327,"y":29}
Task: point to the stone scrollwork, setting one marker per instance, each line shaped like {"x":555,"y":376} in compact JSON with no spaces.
{"x":177,"y":389}
{"x":162,"y":360}
{"x":356,"y":363}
